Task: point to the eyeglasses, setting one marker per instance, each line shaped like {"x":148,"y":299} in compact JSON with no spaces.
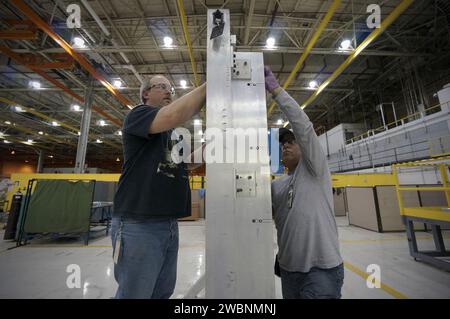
{"x":164,"y":87}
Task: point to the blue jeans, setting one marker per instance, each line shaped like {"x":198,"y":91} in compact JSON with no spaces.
{"x":146,"y":263}
{"x":316,"y":284}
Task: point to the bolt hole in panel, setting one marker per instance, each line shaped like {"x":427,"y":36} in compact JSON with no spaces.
{"x":242,"y":70}
{"x":245,"y":184}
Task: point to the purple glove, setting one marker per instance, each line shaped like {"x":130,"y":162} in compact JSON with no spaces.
{"x":271,"y":81}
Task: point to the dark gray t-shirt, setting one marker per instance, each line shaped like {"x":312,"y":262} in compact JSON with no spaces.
{"x":151,"y":184}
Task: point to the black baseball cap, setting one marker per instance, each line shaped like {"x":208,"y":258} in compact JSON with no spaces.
{"x":284,"y":134}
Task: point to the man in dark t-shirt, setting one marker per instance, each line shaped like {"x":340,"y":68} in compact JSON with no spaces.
{"x":153,"y":192}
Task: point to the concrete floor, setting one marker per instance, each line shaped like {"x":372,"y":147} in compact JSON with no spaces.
{"x":38,"y":270}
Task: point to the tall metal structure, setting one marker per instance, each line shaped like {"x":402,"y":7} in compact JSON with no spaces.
{"x":239,"y":231}
{"x":84,"y":130}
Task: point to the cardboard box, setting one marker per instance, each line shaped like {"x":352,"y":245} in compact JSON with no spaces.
{"x":432,"y":199}
{"x":339,"y":198}
{"x":376,"y":208}
{"x":389,"y":210}
{"x":195,"y":210}
{"x":361,"y":208}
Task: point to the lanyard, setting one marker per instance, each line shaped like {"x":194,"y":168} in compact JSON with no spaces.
{"x":290,"y":199}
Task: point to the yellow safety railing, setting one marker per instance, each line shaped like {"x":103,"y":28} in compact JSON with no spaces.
{"x":434,"y":213}
{"x":407,"y":119}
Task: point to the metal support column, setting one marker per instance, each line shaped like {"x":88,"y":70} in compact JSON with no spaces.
{"x":40,"y":164}
{"x":438,"y":239}
{"x":411,"y":235}
{"x":421,"y":109}
{"x":380,"y":108}
{"x":395,"y":114}
{"x":239,"y":236}
{"x":84,"y":130}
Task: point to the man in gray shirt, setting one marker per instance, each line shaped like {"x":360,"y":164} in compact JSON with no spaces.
{"x":308,"y":248}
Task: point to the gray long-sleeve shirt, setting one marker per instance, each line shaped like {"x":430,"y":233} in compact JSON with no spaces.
{"x":307,"y":233}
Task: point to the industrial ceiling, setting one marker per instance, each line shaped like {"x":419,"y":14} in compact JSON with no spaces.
{"x":46,"y":67}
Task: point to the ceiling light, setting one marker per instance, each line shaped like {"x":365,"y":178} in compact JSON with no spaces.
{"x":119,"y":133}
{"x":313,"y":84}
{"x":26,"y":161}
{"x":76,"y":108}
{"x":117,"y":159}
{"x":117,"y":84}
{"x":168,"y":42}
{"x":279,"y":122}
{"x":13,"y":152}
{"x":101,"y":123}
{"x":7,"y":122}
{"x":18,"y":109}
{"x":78,"y":42}
{"x":99,"y":141}
{"x":35,"y":84}
{"x":41,"y":133}
{"x":30,"y":141}
{"x":79,"y":133}
{"x":183,"y":84}
{"x":6,"y":142}
{"x":54,"y":123}
{"x":346,"y":44}
{"x":270,"y":43}
{"x":51,"y":156}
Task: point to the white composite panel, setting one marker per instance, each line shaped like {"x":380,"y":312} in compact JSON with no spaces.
{"x":239,"y":238}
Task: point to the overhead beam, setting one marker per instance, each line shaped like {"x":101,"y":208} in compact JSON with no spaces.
{"x":67,"y":65}
{"x":187,"y":39}
{"x":202,"y":48}
{"x":384,"y":25}
{"x":331,"y":10}
{"x":202,"y":17}
{"x":50,"y":119}
{"x":108,"y":34}
{"x":136,"y":89}
{"x":16,"y":140}
{"x":59,"y":61}
{"x":19,"y":34}
{"x":41,"y":24}
{"x":16,"y":57}
{"x":249,"y":21}
{"x":31,"y":132}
